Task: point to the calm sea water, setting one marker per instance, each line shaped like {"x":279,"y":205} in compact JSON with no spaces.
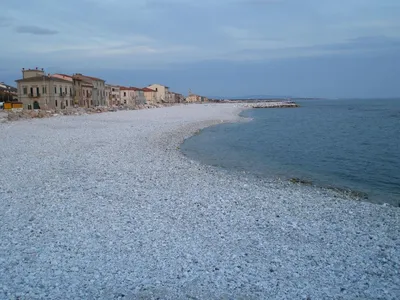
{"x":349,"y":144}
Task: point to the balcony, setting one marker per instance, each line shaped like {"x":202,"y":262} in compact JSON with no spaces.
{"x":34,"y":95}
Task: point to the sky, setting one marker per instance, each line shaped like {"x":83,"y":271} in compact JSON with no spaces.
{"x":303,"y":48}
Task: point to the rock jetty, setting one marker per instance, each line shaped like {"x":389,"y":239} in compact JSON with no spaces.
{"x":267,"y":104}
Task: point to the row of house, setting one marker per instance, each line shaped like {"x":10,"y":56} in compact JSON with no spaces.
{"x":38,"y":90}
{"x":7,"y":92}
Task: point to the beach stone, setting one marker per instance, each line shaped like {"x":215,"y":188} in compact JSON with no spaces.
{"x":119,"y":211}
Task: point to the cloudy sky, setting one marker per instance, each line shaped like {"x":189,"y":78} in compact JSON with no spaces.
{"x":323,"y":48}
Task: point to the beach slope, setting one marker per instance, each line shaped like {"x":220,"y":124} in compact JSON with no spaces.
{"x":106,"y":207}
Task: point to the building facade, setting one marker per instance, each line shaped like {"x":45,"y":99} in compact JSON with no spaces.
{"x":193,"y":98}
{"x":36,"y":90}
{"x":132,"y":96}
{"x":115,"y":95}
{"x":177,"y":98}
{"x":150,"y":95}
{"x":127,"y":96}
{"x":8,"y":93}
{"x":98,"y":95}
{"x":163,"y":94}
{"x":108,"y":94}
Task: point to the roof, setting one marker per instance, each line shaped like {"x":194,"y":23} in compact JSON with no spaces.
{"x":78,"y":75}
{"x":146,"y":89}
{"x":62,"y":76}
{"x":131,"y":88}
{"x":7,"y":88}
{"x":41,"y":78}
{"x":159,"y":85}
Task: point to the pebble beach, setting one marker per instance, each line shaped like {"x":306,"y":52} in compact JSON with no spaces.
{"x":105,"y":206}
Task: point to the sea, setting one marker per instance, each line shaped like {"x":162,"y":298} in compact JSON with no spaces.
{"x":349,"y":145}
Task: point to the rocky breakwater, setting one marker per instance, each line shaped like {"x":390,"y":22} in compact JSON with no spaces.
{"x":277,"y":104}
{"x":23,"y":114}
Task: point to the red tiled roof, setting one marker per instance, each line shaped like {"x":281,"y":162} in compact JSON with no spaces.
{"x":131,"y":88}
{"x":88,"y":77}
{"x":65,"y":75}
{"x":146,"y":89}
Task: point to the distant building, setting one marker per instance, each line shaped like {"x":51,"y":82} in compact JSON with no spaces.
{"x":193,"y":98}
{"x":140,"y":98}
{"x":98,"y":97}
{"x":150,"y":95}
{"x":115,"y":95}
{"x":131,"y":96}
{"x":177,"y":98}
{"x":127,"y":96}
{"x":7,"y":92}
{"x":163,"y":94}
{"x":37,"y":90}
{"x":107,"y":89}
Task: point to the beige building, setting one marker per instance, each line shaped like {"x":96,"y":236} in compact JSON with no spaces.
{"x":98,"y":95}
{"x":107,"y":90}
{"x":36,"y":90}
{"x":115,"y":95}
{"x":193,"y":98}
{"x":150,"y":95}
{"x":131,"y":96}
{"x":177,"y":98}
{"x":127,"y":96}
{"x":163,"y":94}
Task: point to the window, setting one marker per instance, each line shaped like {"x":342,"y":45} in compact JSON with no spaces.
{"x":56,"y":103}
{"x":29,"y":106}
{"x":31,"y":91}
{"x":156,"y":89}
{"x":66,"y":90}
{"x":55,"y":90}
{"x":60,"y":90}
{"x":66,"y":102}
{"x":113,"y":90}
{"x":37,"y":91}
{"x":124,"y":101}
{"x":70,"y":91}
{"x":125,"y":95}
{"x":25,"y":90}
{"x":44,"y":90}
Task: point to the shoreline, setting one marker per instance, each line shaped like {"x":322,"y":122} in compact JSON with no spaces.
{"x":345,"y":193}
{"x":104,"y":205}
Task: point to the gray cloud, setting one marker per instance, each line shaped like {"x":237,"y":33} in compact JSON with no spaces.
{"x":32,"y":29}
{"x":5,"y":21}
